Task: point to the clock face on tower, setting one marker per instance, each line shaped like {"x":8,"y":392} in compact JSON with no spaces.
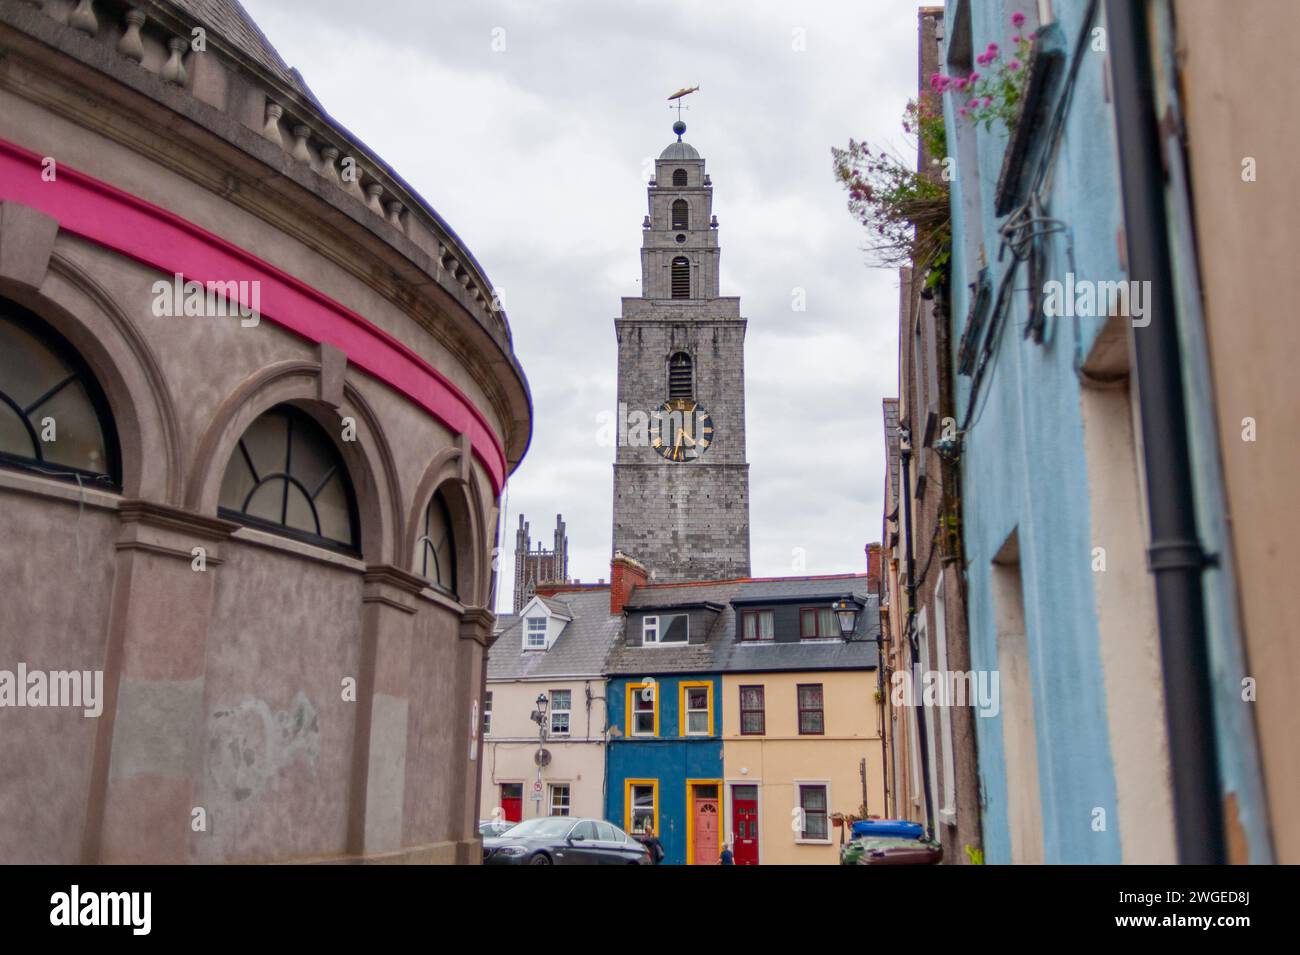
{"x":681,"y":430}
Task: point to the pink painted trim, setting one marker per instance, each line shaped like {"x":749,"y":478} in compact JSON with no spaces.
{"x":162,"y":240}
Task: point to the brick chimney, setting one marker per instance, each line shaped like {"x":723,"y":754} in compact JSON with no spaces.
{"x":873,"y":568}
{"x":625,"y":576}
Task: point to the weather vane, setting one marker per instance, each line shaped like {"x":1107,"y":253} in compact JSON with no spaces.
{"x":679,"y":127}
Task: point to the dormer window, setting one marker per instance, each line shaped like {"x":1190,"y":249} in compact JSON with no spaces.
{"x":670,"y":628}
{"x":543,"y":622}
{"x":757,"y":625}
{"x":818,"y":623}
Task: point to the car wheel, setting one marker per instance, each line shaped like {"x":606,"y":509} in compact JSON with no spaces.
{"x":540,"y":859}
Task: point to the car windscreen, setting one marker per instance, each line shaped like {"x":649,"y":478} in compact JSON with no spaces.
{"x":548,"y":827}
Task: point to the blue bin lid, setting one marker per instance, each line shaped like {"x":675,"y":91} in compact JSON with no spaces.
{"x":888,"y":827}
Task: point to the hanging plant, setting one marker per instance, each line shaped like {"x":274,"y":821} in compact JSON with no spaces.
{"x":905,"y":211}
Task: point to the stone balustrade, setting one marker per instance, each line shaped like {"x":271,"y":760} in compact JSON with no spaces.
{"x":288,"y":120}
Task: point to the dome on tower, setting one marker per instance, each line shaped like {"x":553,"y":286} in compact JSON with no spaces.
{"x":679,"y":150}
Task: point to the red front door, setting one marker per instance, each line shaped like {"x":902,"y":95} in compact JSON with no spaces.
{"x":705,"y":836}
{"x":744,"y":824}
{"x":512,"y":802}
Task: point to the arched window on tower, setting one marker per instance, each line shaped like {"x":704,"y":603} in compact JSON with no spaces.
{"x":681,"y":214}
{"x":679,"y":177}
{"x":54,"y":418}
{"x":437,"y":546}
{"x":681,"y":381}
{"x":287,"y":476}
{"x":681,"y":277}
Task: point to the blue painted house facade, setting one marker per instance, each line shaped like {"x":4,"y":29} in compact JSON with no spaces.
{"x":662,"y":759}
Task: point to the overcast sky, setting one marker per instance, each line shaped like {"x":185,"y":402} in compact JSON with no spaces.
{"x":529,"y":125}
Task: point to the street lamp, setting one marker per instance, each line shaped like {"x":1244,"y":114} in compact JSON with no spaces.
{"x":539,"y":717}
{"x":847,"y":610}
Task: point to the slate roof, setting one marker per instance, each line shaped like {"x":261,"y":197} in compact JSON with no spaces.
{"x":722,"y":652}
{"x":556,"y":605}
{"x":231,"y":22}
{"x":580,"y":650}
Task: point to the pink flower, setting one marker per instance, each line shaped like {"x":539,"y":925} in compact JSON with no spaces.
{"x":988,"y":101}
{"x":959,"y":83}
{"x":962,"y":112}
{"x":1017,"y":19}
{"x":973,"y":78}
{"x":1014,"y":65}
{"x":974,"y":104}
{"x":1017,"y":39}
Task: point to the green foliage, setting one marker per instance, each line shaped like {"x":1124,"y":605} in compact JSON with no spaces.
{"x":904,"y":210}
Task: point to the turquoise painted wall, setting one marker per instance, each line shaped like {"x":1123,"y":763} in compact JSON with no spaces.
{"x":1023,"y":462}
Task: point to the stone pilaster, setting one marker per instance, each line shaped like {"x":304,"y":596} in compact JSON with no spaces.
{"x":140,"y":805}
{"x":475,"y":639}
{"x":383,"y":697}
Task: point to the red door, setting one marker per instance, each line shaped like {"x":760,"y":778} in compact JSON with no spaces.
{"x":705,"y":836}
{"x":744,"y":824}
{"x":512,"y":802}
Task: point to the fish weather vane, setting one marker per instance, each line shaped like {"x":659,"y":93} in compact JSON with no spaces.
{"x":679,"y":127}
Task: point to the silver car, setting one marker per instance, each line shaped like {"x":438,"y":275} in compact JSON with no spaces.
{"x":564,"y":840}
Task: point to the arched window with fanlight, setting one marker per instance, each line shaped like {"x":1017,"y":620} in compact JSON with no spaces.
{"x":54,"y":417}
{"x":681,"y":214}
{"x":436,"y":548}
{"x":679,"y":177}
{"x":681,"y":280}
{"x":286,"y":475}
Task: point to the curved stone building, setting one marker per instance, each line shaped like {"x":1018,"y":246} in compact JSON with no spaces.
{"x":257,"y":406}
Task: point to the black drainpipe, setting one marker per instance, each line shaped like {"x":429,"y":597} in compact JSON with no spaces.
{"x":905,"y":453}
{"x":1175,"y":556}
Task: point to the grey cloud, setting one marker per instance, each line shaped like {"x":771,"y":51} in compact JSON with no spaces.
{"x":535,"y":157}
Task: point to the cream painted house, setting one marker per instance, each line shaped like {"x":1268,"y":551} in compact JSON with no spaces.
{"x":796,"y":775}
{"x":554,"y":649}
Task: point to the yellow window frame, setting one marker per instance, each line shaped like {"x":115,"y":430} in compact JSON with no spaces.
{"x":629,"y":721}
{"x":681,"y":706}
{"x":627,"y":802}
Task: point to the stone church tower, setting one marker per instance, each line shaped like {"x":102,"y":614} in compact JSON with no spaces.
{"x":681,"y":486}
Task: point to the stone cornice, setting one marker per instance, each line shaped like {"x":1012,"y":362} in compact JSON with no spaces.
{"x":476,"y":624}
{"x":392,"y":587}
{"x":176,"y":519}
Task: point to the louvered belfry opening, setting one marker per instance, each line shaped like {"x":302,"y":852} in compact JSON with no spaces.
{"x":681,"y":214}
{"x":680,"y":378}
{"x":679,"y":177}
{"x":681,"y":277}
